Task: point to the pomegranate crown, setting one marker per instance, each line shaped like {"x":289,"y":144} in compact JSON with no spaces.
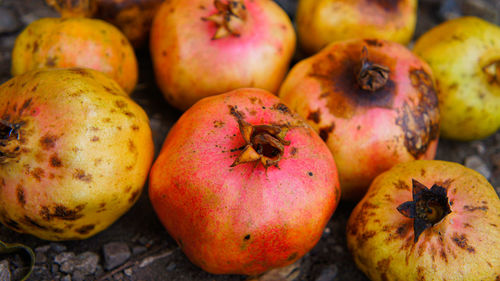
{"x":229,"y":18}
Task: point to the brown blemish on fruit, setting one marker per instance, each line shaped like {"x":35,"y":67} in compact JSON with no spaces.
{"x":127,"y":190}
{"x":61,"y":212}
{"x":365,"y":236}
{"x":467,"y":225}
{"x":337,"y":75}
{"x":48,"y":141}
{"x":94,"y":139}
{"x":85,"y":229}
{"x":325,"y":131}
{"x":134,"y":127}
{"x":233,"y":110}
{"x":293,"y":151}
{"x":403,"y":229}
{"x":51,"y":61}
{"x":131,"y":146}
{"x":13,"y":224}
{"x":31,"y":222}
{"x":129,"y":114}
{"x":37,"y":173}
{"x":383,"y":266}
{"x":361,"y":218}
{"x":282,"y":108}
{"x":389,"y":6}
{"x":292,"y":256}
{"x":462,"y":242}
{"x":80,"y":174}
{"x":80,"y":71}
{"x":314,"y":116}
{"x":420,"y":273}
{"x":25,"y":105}
{"x":420,"y":122}
{"x":20,"y":195}
{"x":401,"y":185}
{"x":218,"y":123}
{"x":469,"y":208}
{"x":120,"y":104}
{"x":134,"y":196}
{"x":374,"y":42}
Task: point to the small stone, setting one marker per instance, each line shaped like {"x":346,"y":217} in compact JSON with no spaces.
{"x":119,"y":276}
{"x":476,"y":163}
{"x":137,"y":250}
{"x":115,"y":254}
{"x":328,"y":273}
{"x":9,"y":21}
{"x":86,"y":262}
{"x":64,"y":257}
{"x":129,"y":271}
{"x":66,"y":278}
{"x":67,"y":266}
{"x":479,"y":146}
{"x":42,"y":249}
{"x":40,"y":257}
{"x":58,"y":247}
{"x":77,"y":276}
{"x":171,"y":266}
{"x":4,"y":270}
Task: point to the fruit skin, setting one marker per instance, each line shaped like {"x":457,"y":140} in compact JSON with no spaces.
{"x":84,"y":153}
{"x":367,"y":132}
{"x":190,"y":65}
{"x":320,"y":22}
{"x":244,"y":219}
{"x":459,"y":247}
{"x":469,"y":97}
{"x":76,"y":42}
{"x":132,"y":17}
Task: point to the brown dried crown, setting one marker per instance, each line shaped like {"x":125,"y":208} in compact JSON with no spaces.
{"x":230,"y":18}
{"x":371,"y":77}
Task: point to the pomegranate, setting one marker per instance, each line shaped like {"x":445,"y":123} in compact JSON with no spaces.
{"x":73,"y":41}
{"x":372,"y":101}
{"x":132,"y":17}
{"x":468,"y":84}
{"x":207,"y":47}
{"x":320,"y":22}
{"x":75,"y":152}
{"x":243,"y":184}
{"x":427,"y":220}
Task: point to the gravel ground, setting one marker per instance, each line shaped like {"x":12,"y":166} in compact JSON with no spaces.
{"x":137,"y":247}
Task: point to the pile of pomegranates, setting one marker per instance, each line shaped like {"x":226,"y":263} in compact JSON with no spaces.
{"x":251,"y":173}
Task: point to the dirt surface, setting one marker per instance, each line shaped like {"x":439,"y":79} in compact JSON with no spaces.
{"x":149,"y":252}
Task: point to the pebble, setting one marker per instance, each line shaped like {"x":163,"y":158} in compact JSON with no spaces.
{"x":77,"y":275}
{"x":9,"y":21}
{"x":328,"y":273}
{"x":118,"y":276}
{"x":86,"y":263}
{"x":58,"y":247}
{"x":66,"y":278}
{"x":4,"y":270}
{"x":129,"y":271}
{"x":63,"y":257}
{"x":476,"y":163}
{"x":137,"y":250}
{"x":115,"y":254}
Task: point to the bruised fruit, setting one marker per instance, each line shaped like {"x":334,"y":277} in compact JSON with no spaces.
{"x":207,"y":47}
{"x":464,"y":54}
{"x":427,"y":220}
{"x":132,"y":17}
{"x":373,"y":103}
{"x":320,"y":22}
{"x":76,"y":42}
{"x":75,"y":152}
{"x":243,"y":184}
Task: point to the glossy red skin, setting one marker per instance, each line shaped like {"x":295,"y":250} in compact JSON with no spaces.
{"x":364,"y":134}
{"x":243,"y":219}
{"x":190,"y":65}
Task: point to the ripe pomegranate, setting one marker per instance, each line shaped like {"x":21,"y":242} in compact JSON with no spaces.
{"x":372,"y":101}
{"x":132,"y":17}
{"x":468,"y":84}
{"x":75,"y":42}
{"x":243,"y":184}
{"x":427,"y":220}
{"x":207,"y":47}
{"x":320,"y":22}
{"x":75,"y":152}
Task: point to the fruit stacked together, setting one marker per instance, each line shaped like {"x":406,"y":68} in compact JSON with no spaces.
{"x":246,"y":181}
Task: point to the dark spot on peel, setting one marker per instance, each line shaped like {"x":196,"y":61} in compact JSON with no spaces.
{"x":310,"y":174}
{"x":401,"y":185}
{"x":218,"y":123}
{"x":120,"y":104}
{"x":80,"y":174}
{"x":134,"y":127}
{"x":37,"y":173}
{"x":314,"y":116}
{"x":48,"y":141}
{"x":80,"y":71}
{"x":85,"y":229}
{"x":469,"y":208}
{"x":462,"y":242}
{"x":134,"y":196}
{"x":20,"y":195}
{"x":13,"y":224}
{"x":233,"y":110}
{"x":61,"y":212}
{"x":25,"y":105}
{"x":51,"y":61}
{"x":282,"y":108}
{"x":247,"y":237}
{"x":31,"y":222}
{"x":94,"y":139}
{"x":293,"y":151}
{"x":325,"y":132}
{"x":292,"y":256}
{"x":374,"y":42}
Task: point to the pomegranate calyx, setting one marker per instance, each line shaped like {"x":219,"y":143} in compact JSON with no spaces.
{"x":429,"y":207}
{"x":230,"y":18}
{"x":371,"y":77}
{"x":492,"y":71}
{"x":264,"y":143}
{"x":74,"y":8}
{"x":9,"y":141}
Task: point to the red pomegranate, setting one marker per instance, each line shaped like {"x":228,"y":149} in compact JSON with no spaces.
{"x":372,"y":101}
{"x":243,"y":184}
{"x":201,"y":48}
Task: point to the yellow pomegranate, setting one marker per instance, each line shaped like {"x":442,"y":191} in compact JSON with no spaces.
{"x":320,"y":22}
{"x":76,"y":42}
{"x":75,"y":152}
